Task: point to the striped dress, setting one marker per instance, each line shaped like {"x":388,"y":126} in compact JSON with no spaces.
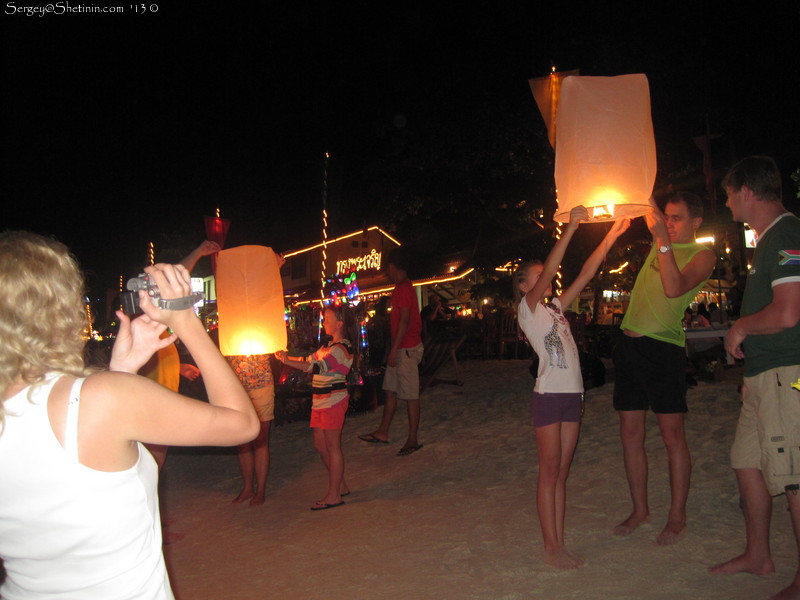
{"x":330,"y":366}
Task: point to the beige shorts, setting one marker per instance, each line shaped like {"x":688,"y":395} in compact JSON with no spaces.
{"x":403,"y":377}
{"x":264,"y":402}
{"x":768,"y":433}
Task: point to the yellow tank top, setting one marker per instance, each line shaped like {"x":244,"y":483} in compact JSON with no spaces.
{"x":650,"y":312}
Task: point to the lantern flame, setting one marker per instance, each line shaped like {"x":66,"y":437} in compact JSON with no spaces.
{"x":603,"y":212}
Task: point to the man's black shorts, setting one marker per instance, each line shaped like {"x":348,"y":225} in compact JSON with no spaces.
{"x":649,"y":374}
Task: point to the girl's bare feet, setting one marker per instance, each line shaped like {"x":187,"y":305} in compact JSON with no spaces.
{"x":563,"y":560}
{"x":257,"y":499}
{"x":629,"y":525}
{"x":673,"y":532}
{"x":243,"y":495}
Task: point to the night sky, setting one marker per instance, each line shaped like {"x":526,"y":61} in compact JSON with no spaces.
{"x":119,"y":129}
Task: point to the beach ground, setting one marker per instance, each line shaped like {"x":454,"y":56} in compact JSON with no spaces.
{"x":457,"y":519}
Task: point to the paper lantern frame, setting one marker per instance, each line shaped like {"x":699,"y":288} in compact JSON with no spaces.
{"x":605,"y":147}
{"x":250,"y":301}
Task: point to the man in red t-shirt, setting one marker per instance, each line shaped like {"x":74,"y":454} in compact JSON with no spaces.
{"x":401,"y":379}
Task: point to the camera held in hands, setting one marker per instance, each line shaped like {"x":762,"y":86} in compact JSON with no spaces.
{"x":130,"y":299}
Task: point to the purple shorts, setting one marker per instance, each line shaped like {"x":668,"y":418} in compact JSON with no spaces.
{"x":547,"y":409}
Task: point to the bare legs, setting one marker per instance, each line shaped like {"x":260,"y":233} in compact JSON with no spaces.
{"x":389,"y":408}
{"x":556,"y":446}
{"x":756,"y":506}
{"x":413,"y":422}
{"x":632,"y":434}
{"x":631,"y":431}
{"x":254,"y":465}
{"x":680,"y":471}
{"x":793,"y":591}
{"x":328,"y":443}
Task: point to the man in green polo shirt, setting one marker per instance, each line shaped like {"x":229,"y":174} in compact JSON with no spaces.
{"x":766,"y":451}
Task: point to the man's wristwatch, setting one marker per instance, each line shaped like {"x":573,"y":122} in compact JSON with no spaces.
{"x":664,"y":249}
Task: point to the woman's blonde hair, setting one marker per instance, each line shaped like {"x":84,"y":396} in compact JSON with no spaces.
{"x":42,"y":318}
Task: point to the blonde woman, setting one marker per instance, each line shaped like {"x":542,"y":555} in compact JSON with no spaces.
{"x":79,"y":513}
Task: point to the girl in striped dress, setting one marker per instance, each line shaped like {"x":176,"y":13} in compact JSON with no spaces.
{"x":330,"y":365}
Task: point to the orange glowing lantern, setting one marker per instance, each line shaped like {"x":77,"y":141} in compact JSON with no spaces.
{"x":605,"y":148}
{"x":250,"y":301}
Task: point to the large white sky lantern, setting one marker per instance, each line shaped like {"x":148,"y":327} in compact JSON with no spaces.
{"x":250,"y":301}
{"x":605,"y":149}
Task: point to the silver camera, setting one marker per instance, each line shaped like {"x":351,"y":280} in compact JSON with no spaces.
{"x":130,"y":299}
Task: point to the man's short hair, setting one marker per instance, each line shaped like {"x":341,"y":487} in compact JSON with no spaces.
{"x":759,"y":173}
{"x":693,"y":202}
{"x":400,"y":258}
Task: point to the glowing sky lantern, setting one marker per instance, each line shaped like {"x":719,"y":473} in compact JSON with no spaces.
{"x":605,"y":148}
{"x":250,"y":301}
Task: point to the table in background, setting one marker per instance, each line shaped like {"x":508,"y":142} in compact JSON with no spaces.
{"x":700,"y":333}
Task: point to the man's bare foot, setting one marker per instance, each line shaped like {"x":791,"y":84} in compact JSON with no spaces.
{"x":257,"y":499}
{"x":673,"y":532}
{"x":790,"y":593}
{"x":744,"y":564}
{"x":629,"y":525}
{"x":563,"y":560}
{"x":244,"y":495}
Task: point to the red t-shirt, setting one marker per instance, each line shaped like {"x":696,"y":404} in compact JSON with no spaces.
{"x":404,"y":296}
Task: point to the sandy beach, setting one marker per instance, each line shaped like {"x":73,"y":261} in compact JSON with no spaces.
{"x":457,"y":520}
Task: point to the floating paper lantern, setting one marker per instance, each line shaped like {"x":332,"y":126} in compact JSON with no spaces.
{"x":605,"y":149}
{"x":250,"y":301}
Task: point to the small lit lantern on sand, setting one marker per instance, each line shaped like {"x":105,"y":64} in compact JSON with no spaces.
{"x":251,"y":313}
{"x":605,"y":148}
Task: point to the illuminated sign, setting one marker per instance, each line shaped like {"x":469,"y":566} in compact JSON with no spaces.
{"x":359,"y":263}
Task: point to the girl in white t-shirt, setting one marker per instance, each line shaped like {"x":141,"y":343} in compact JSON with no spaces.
{"x":558,"y":393}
